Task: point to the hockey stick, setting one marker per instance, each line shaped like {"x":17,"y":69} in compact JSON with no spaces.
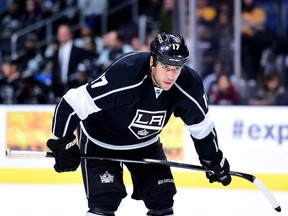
{"x":246,"y":176}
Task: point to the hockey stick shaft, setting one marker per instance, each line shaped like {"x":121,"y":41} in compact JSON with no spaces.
{"x":50,"y":155}
{"x":246,"y":176}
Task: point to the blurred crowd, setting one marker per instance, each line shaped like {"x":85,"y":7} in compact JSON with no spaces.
{"x":264,"y":48}
{"x":43,"y":75}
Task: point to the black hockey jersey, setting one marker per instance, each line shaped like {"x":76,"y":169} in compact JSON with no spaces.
{"x":122,"y":110}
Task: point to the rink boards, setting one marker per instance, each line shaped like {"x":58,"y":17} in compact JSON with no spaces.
{"x":253,"y":139}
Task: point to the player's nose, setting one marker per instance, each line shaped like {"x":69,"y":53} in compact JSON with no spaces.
{"x":171,"y":76}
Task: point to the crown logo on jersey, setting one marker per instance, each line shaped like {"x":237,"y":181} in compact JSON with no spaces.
{"x":143,"y":132}
{"x":107,"y":178}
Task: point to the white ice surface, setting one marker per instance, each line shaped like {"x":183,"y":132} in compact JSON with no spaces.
{"x":70,"y":200}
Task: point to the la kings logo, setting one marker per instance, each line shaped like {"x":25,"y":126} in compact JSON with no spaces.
{"x":147,"y":123}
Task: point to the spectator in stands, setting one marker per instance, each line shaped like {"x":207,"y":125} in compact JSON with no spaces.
{"x":166,"y":17}
{"x":48,"y":55}
{"x":65,"y":61}
{"x":275,"y":58}
{"x":137,"y":45}
{"x":254,"y":38}
{"x":253,"y":18}
{"x":89,"y":65}
{"x":10,"y":23}
{"x":271,"y":93}
{"x":224,"y":92}
{"x":51,"y":49}
{"x":206,"y":14}
{"x":32,"y":59}
{"x":225,"y":34}
{"x":211,"y":79}
{"x":91,"y":45}
{"x":21,"y":88}
{"x":32,"y":91}
{"x":86,"y":31}
{"x":10,"y":83}
{"x":207,"y":49}
{"x":114,"y":47}
{"x":32,"y":13}
{"x":85,"y":71}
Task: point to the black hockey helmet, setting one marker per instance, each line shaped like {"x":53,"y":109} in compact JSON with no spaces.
{"x":169,"y":49}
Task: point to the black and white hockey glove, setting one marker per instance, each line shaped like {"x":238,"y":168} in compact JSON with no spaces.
{"x":66,"y":153}
{"x":220,"y":168}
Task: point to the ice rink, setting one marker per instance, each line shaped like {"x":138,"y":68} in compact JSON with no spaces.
{"x":69,"y":200}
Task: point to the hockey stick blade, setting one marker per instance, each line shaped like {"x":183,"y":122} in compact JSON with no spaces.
{"x":246,"y":176}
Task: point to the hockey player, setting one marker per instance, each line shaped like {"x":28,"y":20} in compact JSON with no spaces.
{"x":121,"y":114}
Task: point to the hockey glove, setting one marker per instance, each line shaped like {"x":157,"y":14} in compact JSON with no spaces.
{"x":66,"y":153}
{"x":220,"y":168}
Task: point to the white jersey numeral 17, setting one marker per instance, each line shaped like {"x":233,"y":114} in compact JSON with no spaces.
{"x":100,"y":82}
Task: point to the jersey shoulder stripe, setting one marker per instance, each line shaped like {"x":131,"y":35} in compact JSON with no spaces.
{"x":191,"y":98}
{"x":120,"y":89}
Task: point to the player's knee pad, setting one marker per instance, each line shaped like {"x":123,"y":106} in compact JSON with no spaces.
{"x":99,"y":212}
{"x":163,"y":212}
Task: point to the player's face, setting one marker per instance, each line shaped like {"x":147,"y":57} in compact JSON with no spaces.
{"x":164,"y":76}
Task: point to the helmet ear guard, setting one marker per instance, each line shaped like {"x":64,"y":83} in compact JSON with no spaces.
{"x":154,"y":60}
{"x":169,"y":49}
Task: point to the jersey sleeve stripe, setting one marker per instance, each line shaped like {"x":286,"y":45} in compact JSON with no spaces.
{"x":62,"y":123}
{"x":55,"y":120}
{"x":214,"y":140}
{"x":191,"y":98}
{"x":202,"y":129}
{"x":120,"y":89}
{"x":81,"y":102}
{"x":67,"y":124}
